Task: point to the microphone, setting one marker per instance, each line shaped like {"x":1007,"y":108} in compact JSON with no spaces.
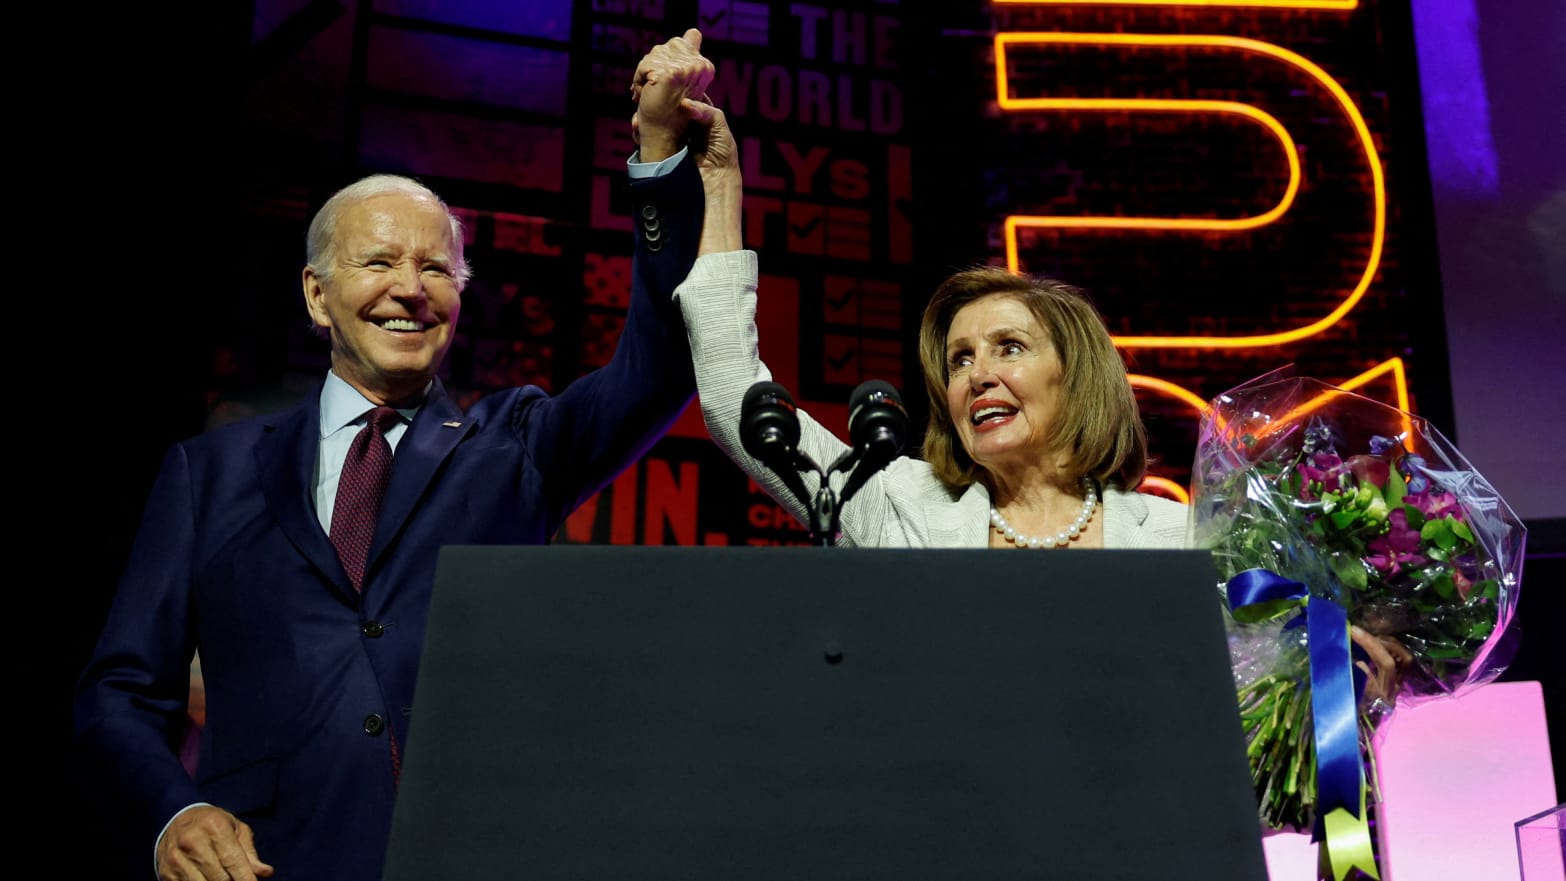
{"x":769,"y":432}
{"x":877,"y":421}
{"x":877,"y":424}
{"x":769,"y":425}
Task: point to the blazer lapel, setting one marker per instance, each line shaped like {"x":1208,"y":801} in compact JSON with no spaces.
{"x":434,"y":433}
{"x":285,"y":459}
{"x":1124,"y":514}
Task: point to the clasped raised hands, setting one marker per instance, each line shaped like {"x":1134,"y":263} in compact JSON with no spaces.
{"x":673,"y":111}
{"x":669,"y":81}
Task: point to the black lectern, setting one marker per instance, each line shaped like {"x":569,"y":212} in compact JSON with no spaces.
{"x":748,"y":714}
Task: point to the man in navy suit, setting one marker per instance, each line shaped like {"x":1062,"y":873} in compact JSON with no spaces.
{"x":309,"y":680}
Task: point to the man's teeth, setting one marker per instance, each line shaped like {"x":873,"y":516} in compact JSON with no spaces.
{"x":984,"y":413}
{"x":401,"y":324}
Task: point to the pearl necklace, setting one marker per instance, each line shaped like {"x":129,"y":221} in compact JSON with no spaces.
{"x":1059,"y":539}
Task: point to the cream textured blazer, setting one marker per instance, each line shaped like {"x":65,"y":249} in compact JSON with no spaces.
{"x":904,"y":505}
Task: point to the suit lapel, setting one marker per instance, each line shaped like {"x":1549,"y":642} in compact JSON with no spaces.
{"x":434,"y":433}
{"x":285,"y":459}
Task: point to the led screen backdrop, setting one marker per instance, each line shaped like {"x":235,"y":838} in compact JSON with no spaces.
{"x":1238,"y":186}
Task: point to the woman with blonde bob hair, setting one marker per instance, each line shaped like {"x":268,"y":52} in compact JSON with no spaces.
{"x":1103,"y":432}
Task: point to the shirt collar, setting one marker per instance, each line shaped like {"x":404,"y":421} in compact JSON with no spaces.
{"x":341,"y":404}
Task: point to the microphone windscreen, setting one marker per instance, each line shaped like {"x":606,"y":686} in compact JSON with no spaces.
{"x":876,"y":415}
{"x":769,"y":425}
{"x":766,"y":392}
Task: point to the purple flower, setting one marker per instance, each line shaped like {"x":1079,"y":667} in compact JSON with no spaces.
{"x":1321,"y":471}
{"x":1318,"y":436}
{"x":1380,"y":445}
{"x":1398,"y":547}
{"x":1435,"y":505}
{"x":1412,"y":467}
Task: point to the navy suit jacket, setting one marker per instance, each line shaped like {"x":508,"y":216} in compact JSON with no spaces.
{"x":306,"y":679}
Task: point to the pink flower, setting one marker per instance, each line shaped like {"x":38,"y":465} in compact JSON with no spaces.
{"x":1397,"y":548}
{"x":1462,"y":583}
{"x":1435,"y":505}
{"x":1370,"y":469}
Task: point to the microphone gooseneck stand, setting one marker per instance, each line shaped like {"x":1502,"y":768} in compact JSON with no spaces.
{"x":769,"y":431}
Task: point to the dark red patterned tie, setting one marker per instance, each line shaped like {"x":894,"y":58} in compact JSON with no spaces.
{"x":365,"y":474}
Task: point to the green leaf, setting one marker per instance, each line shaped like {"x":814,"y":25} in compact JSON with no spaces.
{"x":1444,"y":586}
{"x":1395,"y":489}
{"x":1440,"y":532}
{"x":1350,"y":571}
{"x":1255,"y":612}
{"x":1462,"y":530}
{"x":1481,"y":629}
{"x":1416,"y":517}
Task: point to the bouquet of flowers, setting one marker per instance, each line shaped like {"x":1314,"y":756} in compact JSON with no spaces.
{"x":1329,"y":513}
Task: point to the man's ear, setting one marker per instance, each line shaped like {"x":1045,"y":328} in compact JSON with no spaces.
{"x":315,"y":298}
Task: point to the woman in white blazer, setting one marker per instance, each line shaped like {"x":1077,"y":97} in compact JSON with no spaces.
{"x":1035,"y":440}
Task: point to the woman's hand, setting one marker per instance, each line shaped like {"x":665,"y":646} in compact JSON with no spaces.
{"x":1389,"y":662}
